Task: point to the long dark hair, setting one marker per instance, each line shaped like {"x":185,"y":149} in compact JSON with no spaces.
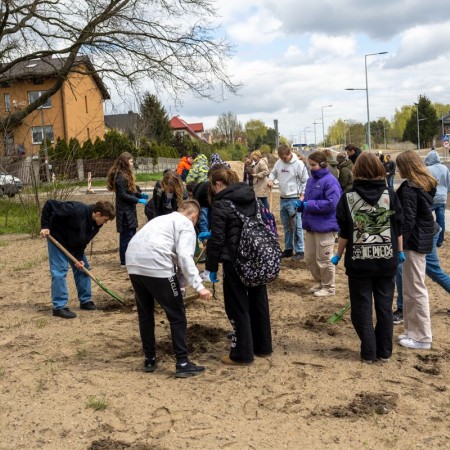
{"x":122,"y":165}
{"x":226,"y":176}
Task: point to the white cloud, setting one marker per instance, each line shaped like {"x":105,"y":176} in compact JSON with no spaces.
{"x":322,"y":44}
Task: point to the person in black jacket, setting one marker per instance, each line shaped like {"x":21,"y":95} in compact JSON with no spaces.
{"x":247,"y":308}
{"x":121,"y":180}
{"x":73,"y":225}
{"x":416,"y":196}
{"x":352,"y":152}
{"x":390,"y":166}
{"x":370,"y":218}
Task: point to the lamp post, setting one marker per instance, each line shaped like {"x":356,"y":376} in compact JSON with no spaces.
{"x":323,"y":126}
{"x":315,"y":134}
{"x":418,"y":126}
{"x":369,"y":146}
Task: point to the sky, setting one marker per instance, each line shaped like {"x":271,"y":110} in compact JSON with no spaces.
{"x":293,"y":58}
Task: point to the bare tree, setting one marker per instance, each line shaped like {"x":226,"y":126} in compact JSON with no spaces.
{"x":228,"y":128}
{"x":170,"y":42}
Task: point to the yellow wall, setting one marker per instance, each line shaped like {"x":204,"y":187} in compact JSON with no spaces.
{"x":67,"y":113}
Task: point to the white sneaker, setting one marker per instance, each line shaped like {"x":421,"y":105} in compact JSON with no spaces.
{"x":315,"y":288}
{"x":411,"y":343}
{"x":400,"y":337}
{"x":324,"y":292}
{"x":204,"y":275}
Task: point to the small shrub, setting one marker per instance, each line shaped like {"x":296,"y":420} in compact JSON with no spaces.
{"x":97,"y":403}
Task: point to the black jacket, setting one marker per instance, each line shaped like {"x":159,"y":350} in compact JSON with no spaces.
{"x":355,"y":155}
{"x":71,"y":224}
{"x":389,"y":167}
{"x":370,"y":217}
{"x":125,"y":205}
{"x":201,"y":194}
{"x":157,"y":205}
{"x":418,"y":225}
{"x":225,"y":224}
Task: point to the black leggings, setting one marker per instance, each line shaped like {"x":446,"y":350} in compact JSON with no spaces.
{"x":167,"y":293}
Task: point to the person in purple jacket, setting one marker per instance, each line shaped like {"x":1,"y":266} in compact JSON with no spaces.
{"x":322,"y":195}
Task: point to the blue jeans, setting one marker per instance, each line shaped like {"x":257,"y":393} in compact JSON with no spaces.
{"x":264,"y":201}
{"x":59,"y":266}
{"x":292,"y":225}
{"x":390,"y":181}
{"x":204,"y":219}
{"x":124,"y":239}
{"x":439,"y":210}
{"x":433,"y":270}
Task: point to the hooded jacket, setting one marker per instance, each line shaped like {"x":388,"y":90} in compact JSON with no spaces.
{"x":418,"y":224}
{"x":226,"y":226}
{"x":442,"y":175}
{"x":322,"y":196}
{"x":345,"y":175}
{"x":199,"y":170}
{"x":71,"y":224}
{"x":370,"y":217}
{"x":292,"y":177}
{"x":355,"y":155}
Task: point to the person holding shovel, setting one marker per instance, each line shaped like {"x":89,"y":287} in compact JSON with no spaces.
{"x":74,"y":225}
{"x":150,"y":258}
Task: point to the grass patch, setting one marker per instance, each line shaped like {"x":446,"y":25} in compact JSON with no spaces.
{"x":82,"y":353}
{"x":17,"y":217}
{"x":27,"y":265}
{"x":97,"y":403}
{"x":3,"y":244}
{"x":41,"y":322}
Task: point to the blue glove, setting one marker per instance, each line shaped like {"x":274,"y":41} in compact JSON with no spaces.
{"x":305,"y":204}
{"x":204,"y":235}
{"x":401,"y":257}
{"x":144,"y":196}
{"x":335,"y":259}
{"x":298,"y":203}
{"x":143,"y":201}
{"x":213,"y":277}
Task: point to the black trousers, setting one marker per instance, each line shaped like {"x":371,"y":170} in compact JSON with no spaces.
{"x":375,"y":342}
{"x":167,"y":293}
{"x":247,"y":309}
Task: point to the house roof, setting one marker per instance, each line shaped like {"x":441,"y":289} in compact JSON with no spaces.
{"x":176,"y":123}
{"x":48,"y":67}
{"x":197,"y":127}
{"x":122,"y":122}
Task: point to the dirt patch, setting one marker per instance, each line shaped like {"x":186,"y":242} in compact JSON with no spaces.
{"x":111,"y":444}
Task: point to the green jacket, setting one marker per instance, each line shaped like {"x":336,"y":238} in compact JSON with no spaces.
{"x":199,"y":170}
{"x":345,"y":175}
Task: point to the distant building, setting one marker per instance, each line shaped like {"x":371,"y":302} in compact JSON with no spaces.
{"x":128,"y":123}
{"x":180,"y":127}
{"x":75,"y":111}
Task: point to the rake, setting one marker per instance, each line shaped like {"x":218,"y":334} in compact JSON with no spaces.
{"x":335,"y":318}
{"x":86,"y":271}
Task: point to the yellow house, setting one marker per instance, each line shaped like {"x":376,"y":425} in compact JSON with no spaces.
{"x":75,"y":111}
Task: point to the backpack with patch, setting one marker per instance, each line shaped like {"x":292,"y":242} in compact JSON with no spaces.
{"x":268,"y":218}
{"x":258,"y":256}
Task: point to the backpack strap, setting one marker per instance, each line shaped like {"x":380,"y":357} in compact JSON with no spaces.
{"x":242,"y":216}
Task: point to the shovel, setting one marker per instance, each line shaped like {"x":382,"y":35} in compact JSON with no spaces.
{"x":86,"y":271}
{"x":335,"y":318}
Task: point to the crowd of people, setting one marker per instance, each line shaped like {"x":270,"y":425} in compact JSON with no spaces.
{"x":387,"y":237}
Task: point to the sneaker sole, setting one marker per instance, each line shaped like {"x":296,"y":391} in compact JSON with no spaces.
{"x":398,"y":322}
{"x":149,"y":369}
{"x":188,"y":374}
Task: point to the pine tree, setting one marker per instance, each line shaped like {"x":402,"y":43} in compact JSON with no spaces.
{"x":154,"y":120}
{"x":425,"y":113}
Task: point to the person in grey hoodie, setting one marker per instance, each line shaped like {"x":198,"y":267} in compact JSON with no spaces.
{"x":292,"y":176}
{"x":442,"y":175}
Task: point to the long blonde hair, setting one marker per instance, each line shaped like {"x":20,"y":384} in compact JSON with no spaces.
{"x":412,"y":168}
{"x":122,"y":165}
{"x":172,"y":180}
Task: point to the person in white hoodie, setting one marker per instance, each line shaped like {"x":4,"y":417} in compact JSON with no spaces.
{"x":151,"y":257}
{"x":442,"y":175}
{"x":292,"y":176}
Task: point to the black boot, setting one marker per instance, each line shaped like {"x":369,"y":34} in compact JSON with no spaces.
{"x":64,"y":313}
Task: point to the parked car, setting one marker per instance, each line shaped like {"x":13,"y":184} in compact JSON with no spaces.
{"x":9,"y":185}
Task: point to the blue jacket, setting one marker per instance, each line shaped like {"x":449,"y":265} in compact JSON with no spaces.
{"x":322,"y":195}
{"x":442,"y":175}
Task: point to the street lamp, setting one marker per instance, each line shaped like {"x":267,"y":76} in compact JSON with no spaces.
{"x":304,"y":133}
{"x":323,"y":127}
{"x":315,"y":134}
{"x":418,"y":126}
{"x":367,"y":95}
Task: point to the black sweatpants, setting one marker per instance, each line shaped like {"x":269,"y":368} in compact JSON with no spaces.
{"x":375,"y":343}
{"x":167,"y":293}
{"x":247,"y":309}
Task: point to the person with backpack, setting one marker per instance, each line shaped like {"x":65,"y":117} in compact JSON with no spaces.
{"x":247,"y":308}
{"x":319,"y":222}
{"x":370,"y":219}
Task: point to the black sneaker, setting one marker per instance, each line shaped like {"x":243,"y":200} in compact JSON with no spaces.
{"x":287,"y":253}
{"x":398,"y":317}
{"x":298,"y":256}
{"x":187,"y":370}
{"x":150,"y":364}
{"x":64,"y":313}
{"x":90,"y":306}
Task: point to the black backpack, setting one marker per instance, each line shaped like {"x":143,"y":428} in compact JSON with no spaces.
{"x":258,"y":256}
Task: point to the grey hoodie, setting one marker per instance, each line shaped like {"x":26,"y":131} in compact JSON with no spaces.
{"x":442,"y":175}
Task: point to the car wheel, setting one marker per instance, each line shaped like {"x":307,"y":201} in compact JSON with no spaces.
{"x":11,"y":195}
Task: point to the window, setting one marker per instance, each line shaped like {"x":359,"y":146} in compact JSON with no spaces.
{"x":37,"y":134}
{"x":9,"y":144}
{"x":8,"y":102}
{"x":34,"y":95}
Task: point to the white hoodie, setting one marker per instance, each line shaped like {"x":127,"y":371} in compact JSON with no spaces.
{"x":292,"y":177}
{"x":161,"y":244}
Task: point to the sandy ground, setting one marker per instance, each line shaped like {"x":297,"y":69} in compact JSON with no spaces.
{"x":78,"y":384}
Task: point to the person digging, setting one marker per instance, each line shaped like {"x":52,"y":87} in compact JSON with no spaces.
{"x":74,"y":225}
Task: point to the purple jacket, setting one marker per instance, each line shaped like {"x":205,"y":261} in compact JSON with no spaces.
{"x":322,"y":195}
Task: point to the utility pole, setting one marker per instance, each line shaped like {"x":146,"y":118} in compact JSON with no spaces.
{"x":277,"y":137}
